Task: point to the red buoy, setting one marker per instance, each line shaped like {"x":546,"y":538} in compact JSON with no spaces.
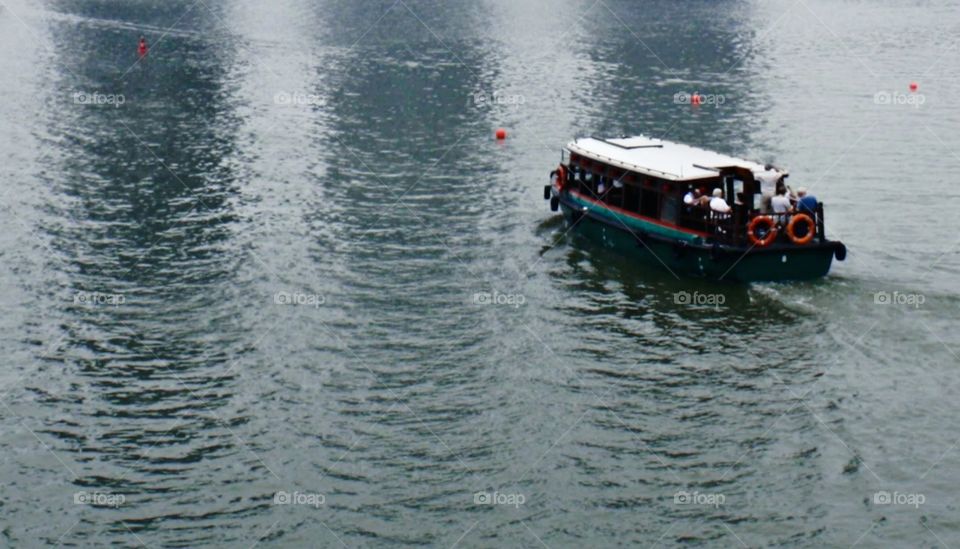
{"x":501,"y":133}
{"x":695,"y":99}
{"x":142,"y":47}
{"x":914,"y":86}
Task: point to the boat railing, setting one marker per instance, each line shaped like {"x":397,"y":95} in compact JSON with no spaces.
{"x":731,"y":228}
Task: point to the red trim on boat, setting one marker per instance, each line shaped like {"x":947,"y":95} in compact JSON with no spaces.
{"x":639,"y":217}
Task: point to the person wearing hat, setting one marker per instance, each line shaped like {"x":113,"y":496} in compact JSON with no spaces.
{"x":806,"y":203}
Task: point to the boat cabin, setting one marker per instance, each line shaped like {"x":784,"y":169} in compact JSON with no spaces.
{"x":647,"y":177}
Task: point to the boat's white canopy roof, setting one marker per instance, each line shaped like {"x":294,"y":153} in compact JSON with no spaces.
{"x":659,"y":158}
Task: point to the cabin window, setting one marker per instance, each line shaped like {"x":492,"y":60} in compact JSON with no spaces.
{"x":649,"y":203}
{"x":576,"y":175}
{"x":589,"y":182}
{"x":669,"y":212}
{"x":737,"y":188}
{"x":631,"y":198}
{"x":614,"y":195}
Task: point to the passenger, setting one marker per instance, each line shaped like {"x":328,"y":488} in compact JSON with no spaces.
{"x":806,"y":203}
{"x":781,"y":204}
{"x":768,"y":179}
{"x":695,"y":197}
{"x":717,"y":203}
{"x":785,"y":189}
{"x":602,"y":187}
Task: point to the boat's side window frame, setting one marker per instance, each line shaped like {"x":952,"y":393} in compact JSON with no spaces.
{"x":669,"y":204}
{"x":614,"y":195}
{"x":650,"y":198}
{"x":631,"y":193}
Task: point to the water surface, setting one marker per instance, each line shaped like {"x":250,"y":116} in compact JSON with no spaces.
{"x":255,"y":270}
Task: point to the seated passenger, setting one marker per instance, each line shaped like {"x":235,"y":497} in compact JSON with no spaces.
{"x":695,"y":197}
{"x":717,"y":203}
{"x":806,"y":203}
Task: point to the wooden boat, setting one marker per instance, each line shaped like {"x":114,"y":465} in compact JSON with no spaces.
{"x":643,"y":196}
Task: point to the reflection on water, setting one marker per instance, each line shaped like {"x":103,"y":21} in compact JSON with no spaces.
{"x":293,"y":260}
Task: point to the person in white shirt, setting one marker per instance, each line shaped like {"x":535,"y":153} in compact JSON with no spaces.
{"x":694,"y":197}
{"x":781,"y":202}
{"x":717,"y":203}
{"x":768,"y":179}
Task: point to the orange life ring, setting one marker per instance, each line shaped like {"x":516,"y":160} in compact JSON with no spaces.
{"x":771,"y":231}
{"x":561,"y":177}
{"x":811,"y":229}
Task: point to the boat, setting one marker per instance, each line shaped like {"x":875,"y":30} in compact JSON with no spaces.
{"x":644,"y":197}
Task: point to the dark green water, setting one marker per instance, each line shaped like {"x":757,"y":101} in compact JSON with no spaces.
{"x":159,"y":216}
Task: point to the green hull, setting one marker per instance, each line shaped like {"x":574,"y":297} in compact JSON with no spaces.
{"x":689,"y":254}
